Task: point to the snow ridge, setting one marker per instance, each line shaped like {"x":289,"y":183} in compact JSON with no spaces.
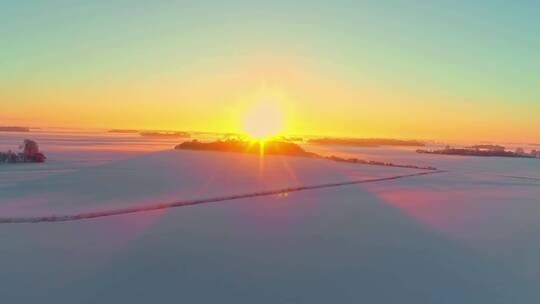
{"x":152,"y":207}
{"x":522,"y":177}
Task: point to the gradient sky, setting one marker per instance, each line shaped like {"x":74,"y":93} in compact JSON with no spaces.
{"x":460,"y":70}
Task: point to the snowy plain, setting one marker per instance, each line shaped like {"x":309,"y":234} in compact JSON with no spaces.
{"x":468,"y":235}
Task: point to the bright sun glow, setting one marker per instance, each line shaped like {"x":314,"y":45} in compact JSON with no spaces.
{"x":263,"y":121}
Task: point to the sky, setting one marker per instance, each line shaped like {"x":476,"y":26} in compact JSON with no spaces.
{"x":459,"y":70}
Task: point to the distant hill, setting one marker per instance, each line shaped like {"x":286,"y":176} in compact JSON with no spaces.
{"x":477,"y":152}
{"x":244,"y":146}
{"x":278,"y":148}
{"x":14,"y":129}
{"x":123,"y":131}
{"x":488,"y":147}
{"x":366,"y":142}
{"x":166,"y":134}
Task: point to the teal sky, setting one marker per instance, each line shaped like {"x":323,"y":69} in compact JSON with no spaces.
{"x":482,"y":52}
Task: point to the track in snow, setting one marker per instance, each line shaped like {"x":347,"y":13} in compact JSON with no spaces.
{"x":522,"y":177}
{"x":152,"y":207}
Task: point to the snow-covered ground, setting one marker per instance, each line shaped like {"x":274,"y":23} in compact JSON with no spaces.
{"x":468,"y":235}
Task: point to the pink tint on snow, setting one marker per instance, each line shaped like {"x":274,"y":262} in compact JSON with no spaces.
{"x":451,"y":209}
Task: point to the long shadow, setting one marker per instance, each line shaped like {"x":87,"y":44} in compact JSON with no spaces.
{"x":160,"y":206}
{"x":334,"y":245}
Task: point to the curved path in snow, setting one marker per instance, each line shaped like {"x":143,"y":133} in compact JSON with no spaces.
{"x":522,"y":177}
{"x":111,"y":212}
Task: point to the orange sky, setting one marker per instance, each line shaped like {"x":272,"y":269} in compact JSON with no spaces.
{"x":364,"y":69}
{"x":312,"y":101}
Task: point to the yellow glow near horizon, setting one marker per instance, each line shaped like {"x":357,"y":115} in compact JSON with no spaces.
{"x":310,"y":101}
{"x":263,"y":121}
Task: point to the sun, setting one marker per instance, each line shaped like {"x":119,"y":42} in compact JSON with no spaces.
{"x":263,"y":121}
